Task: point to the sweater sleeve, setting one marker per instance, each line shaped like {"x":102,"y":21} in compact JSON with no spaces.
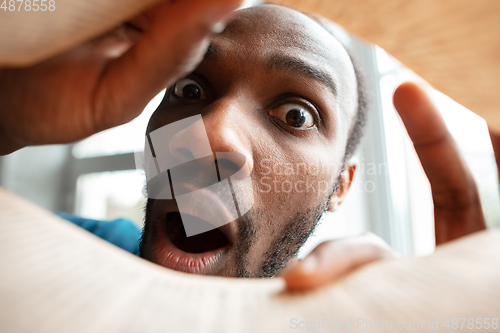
{"x":120,"y":232}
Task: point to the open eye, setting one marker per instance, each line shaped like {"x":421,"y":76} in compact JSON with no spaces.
{"x":189,"y":89}
{"x":294,"y":115}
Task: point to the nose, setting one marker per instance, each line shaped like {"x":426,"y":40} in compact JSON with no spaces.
{"x":222,"y":128}
{"x":190,"y":143}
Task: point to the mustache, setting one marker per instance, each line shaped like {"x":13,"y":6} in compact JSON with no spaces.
{"x":207,"y":189}
{"x":198,"y":173}
{"x":195,"y":174}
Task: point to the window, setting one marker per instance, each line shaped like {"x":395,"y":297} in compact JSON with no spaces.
{"x":112,"y":194}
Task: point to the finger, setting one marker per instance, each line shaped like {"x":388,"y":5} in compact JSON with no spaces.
{"x":456,"y":200}
{"x":495,"y":141}
{"x":330,"y":260}
{"x":174,"y":40}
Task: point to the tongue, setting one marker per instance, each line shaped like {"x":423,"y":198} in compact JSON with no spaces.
{"x":207,"y":241}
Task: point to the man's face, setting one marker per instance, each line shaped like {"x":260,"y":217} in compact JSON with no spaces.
{"x":281,"y":91}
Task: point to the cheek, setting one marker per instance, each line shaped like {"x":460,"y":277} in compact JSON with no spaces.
{"x":287,"y":181}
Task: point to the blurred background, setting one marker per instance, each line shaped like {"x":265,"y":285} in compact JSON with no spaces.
{"x":96,"y":178}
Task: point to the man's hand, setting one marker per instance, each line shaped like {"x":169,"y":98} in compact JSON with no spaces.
{"x":457,"y":207}
{"x":109,"y":80}
{"x":332,"y":259}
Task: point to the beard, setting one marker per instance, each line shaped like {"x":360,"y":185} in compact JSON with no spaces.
{"x":285,"y":246}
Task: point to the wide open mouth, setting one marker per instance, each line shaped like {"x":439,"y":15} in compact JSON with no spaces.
{"x":208,"y":241}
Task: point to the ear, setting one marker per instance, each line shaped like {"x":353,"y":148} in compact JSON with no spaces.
{"x":345,"y":181}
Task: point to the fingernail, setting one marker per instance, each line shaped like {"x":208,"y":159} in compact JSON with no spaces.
{"x":218,"y":27}
{"x":217,"y":13}
{"x":308,"y":265}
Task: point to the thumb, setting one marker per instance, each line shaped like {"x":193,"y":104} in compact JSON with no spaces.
{"x":332,"y":259}
{"x":174,"y":39}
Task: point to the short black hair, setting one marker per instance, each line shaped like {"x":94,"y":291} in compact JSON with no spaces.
{"x":357,"y":128}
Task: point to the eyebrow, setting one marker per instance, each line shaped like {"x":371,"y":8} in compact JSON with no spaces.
{"x":300,"y":67}
{"x":285,"y":63}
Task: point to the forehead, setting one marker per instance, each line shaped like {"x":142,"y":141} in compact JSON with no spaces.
{"x":269,"y":30}
{"x":271,"y":27}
